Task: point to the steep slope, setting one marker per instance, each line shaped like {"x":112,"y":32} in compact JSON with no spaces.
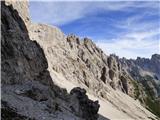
{"x":146,"y":73}
{"x":71,"y":62}
{"x":27,"y":90}
{"x":81,"y":63}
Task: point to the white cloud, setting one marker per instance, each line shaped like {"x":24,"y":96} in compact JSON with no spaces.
{"x":57,"y":13}
{"x":137,"y":41}
{"x":132,"y":45}
{"x":139,"y":36}
{"x":130,"y":49}
{"x":135,"y":23}
{"x":62,"y":12}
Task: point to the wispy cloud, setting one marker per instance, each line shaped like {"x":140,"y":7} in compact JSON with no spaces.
{"x":59,"y":13}
{"x":129,"y":28}
{"x":140,"y":37}
{"x":132,"y":45}
{"x":130,"y":49}
{"x":56,"y":13}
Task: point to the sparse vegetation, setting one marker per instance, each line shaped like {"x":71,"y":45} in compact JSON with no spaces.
{"x":136,"y":89}
{"x":150,"y":101}
{"x":153,"y":105}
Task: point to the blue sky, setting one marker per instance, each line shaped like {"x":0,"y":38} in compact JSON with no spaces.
{"x":128,"y":29}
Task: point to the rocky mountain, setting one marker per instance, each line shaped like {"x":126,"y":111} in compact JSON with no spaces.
{"x":39,"y":59}
{"x":146,"y":72}
{"x":144,"y":69}
{"x":28,"y":92}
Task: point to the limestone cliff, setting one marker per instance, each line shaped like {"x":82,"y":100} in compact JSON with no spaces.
{"x":28,"y":92}
{"x":81,"y":63}
{"x":35,"y":57}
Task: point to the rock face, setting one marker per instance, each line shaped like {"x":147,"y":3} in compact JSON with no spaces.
{"x":143,"y":69}
{"x":146,"y":73}
{"x":86,"y":108}
{"x":21,"y":58}
{"x":83,"y":64}
{"x":22,"y":8}
{"x":80,"y":61}
{"x":28,"y":92}
{"x":35,"y":57}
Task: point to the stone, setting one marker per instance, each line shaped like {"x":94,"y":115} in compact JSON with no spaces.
{"x":28,"y":91}
{"x":86,"y":108}
{"x":35,"y":57}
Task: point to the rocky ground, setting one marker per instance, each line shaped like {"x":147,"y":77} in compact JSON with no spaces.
{"x":83,"y":64}
{"x":38,"y":61}
{"x":28,"y":91}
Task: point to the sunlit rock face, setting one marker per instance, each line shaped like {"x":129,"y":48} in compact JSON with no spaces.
{"x":85,"y":65}
{"x":82,"y":63}
{"x":35,"y":57}
{"x":28,"y":91}
{"x":22,"y":8}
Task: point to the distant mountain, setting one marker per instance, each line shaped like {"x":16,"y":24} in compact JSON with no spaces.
{"x":146,"y":72}
{"x":143,"y":69}
{"x":82,"y":63}
{"x":39,"y":61}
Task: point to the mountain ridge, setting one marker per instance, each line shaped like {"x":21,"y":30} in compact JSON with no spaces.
{"x":27,"y":89}
{"x":73,"y":43}
{"x":80,"y":63}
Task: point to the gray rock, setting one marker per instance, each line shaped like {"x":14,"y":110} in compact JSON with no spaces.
{"x":81,"y":62}
{"x":84,"y":107}
{"x":28,"y":91}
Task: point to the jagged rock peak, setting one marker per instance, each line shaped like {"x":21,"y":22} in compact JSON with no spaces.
{"x":155,"y":57}
{"x":28,"y":91}
{"x":22,"y":7}
{"x":70,"y":64}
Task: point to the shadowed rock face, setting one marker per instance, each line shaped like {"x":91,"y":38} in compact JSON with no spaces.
{"x":151,"y":65}
{"x":28,"y":92}
{"x":82,"y":63}
{"x":146,"y":72}
{"x":87,"y":108}
{"x":22,"y":59}
{"x":8,"y":113}
{"x":27,"y":86}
